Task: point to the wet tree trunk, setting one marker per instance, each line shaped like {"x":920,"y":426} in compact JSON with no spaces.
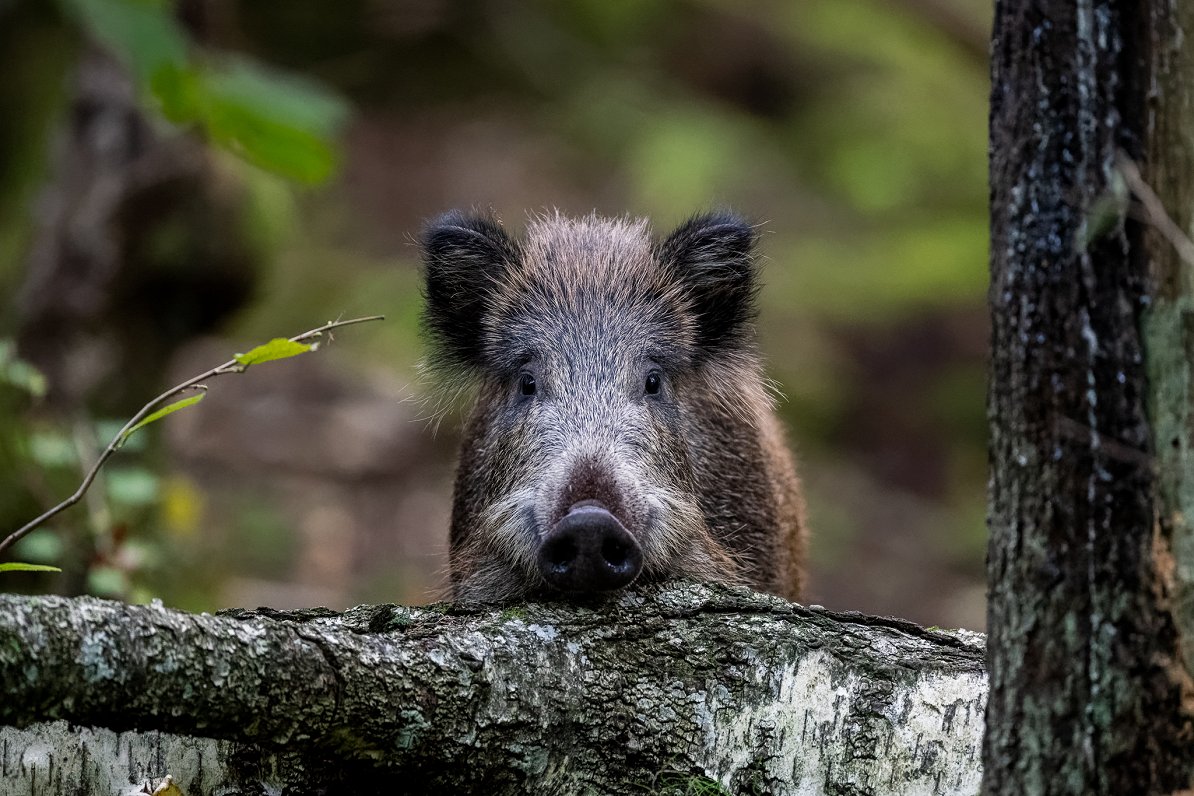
{"x":664,"y":691}
{"x":1088,"y":403}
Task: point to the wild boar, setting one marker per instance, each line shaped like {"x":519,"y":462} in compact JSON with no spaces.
{"x":621,"y":428}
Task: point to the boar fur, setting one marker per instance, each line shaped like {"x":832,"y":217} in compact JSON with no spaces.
{"x":622,"y":429}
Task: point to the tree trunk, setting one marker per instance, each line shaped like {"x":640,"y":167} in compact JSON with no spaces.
{"x":665,"y":688}
{"x":1088,"y":693}
{"x":1169,"y":333}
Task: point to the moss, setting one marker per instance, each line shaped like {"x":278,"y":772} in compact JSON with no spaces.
{"x":1169,"y":341}
{"x":679,"y":783}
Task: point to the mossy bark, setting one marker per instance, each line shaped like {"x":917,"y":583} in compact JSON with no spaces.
{"x":674,"y":685}
{"x":1087,"y":685}
{"x":1169,"y":322}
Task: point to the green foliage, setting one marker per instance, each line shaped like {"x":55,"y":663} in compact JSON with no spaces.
{"x":278,"y":348}
{"x":678,"y":783}
{"x":691,"y":154}
{"x":276,"y":121}
{"x":133,"y":486}
{"x":36,"y":53}
{"x":1106,"y":213}
{"x":280,"y":123}
{"x":18,"y":373}
{"x":137,"y":488}
{"x":107,"y":581}
{"x":853,"y":132}
{"x":107,"y":541}
{"x":16,"y":566}
{"x":142,"y":32}
{"x":169,"y":409}
{"x":46,"y":546}
{"x":50,"y":448}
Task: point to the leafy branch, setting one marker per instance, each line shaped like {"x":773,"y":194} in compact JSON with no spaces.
{"x":272,"y":119}
{"x":278,"y":348}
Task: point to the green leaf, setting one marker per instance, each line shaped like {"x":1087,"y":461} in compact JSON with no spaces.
{"x":159,"y":414}
{"x":281,"y":123}
{"x":19,"y":373}
{"x":133,"y":486}
{"x":17,"y":566}
{"x":276,"y":121}
{"x":144,"y":34}
{"x":107,"y":581}
{"x":289,"y":99}
{"x":106,"y":428}
{"x":278,"y":348}
{"x":45,"y":547}
{"x":52,"y":448}
{"x":179,"y":92}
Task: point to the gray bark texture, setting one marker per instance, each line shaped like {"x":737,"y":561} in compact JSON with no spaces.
{"x":679,"y":688}
{"x":1089,"y":694}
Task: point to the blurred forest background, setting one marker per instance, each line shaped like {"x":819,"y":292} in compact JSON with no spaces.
{"x":181,"y":181}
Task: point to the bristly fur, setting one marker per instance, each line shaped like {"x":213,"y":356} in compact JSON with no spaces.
{"x":707,"y":264}
{"x":712,"y":256}
{"x":464,"y":259}
{"x":699,"y":473}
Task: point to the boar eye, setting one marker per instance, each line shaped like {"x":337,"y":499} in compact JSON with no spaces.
{"x":526,"y":384}
{"x":654,"y":383}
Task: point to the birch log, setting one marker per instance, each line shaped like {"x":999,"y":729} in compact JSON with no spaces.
{"x":664,"y":690}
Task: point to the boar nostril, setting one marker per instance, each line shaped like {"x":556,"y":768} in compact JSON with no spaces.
{"x":560,"y":554}
{"x":588,"y":550}
{"x":614,"y":552}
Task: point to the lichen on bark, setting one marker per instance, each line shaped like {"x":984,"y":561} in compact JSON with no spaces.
{"x":694,"y":681}
{"x":1169,"y":322}
{"x":1083,"y":648}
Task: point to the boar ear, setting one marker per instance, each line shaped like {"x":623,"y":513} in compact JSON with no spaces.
{"x":712,"y":257}
{"x":464,"y":258}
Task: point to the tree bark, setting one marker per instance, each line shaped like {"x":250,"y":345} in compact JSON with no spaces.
{"x":660,"y":689}
{"x":1088,"y":693}
{"x":1168,"y":330}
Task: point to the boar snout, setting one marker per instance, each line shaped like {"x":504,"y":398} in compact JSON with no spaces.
{"x":588,"y":550}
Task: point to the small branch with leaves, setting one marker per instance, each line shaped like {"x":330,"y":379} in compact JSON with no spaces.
{"x":278,"y":348}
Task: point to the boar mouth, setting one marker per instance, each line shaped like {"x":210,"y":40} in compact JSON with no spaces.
{"x":589,"y":551}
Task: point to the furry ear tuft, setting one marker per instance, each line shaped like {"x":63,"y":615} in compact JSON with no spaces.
{"x":712,"y":257}
{"x":464,"y":258}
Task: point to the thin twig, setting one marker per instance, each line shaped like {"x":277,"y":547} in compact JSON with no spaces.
{"x":1154,"y":209}
{"x":231,"y":366}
